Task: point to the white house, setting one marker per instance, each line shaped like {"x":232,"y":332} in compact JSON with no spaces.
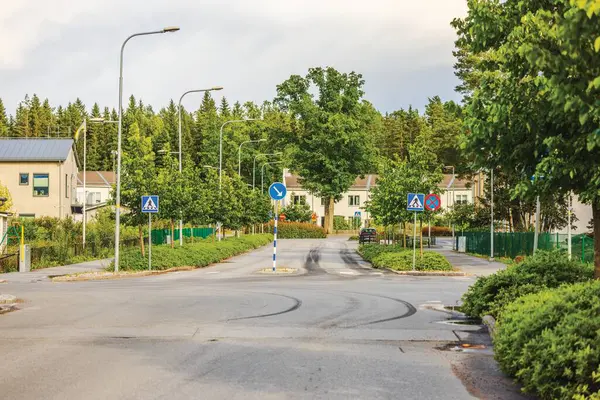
{"x":354,"y":200}
{"x":98,"y":187}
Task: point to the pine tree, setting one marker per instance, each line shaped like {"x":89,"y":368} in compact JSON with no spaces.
{"x":237,"y":111}
{"x":35,"y":116}
{"x":3,"y":120}
{"x":224,"y":109}
{"x":47,"y":119}
{"x":22,"y":127}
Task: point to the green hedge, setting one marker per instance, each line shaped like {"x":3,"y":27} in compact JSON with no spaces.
{"x":547,"y":269}
{"x":199,"y":254}
{"x":402,"y":261}
{"x":297,"y":230}
{"x":550,"y":341}
{"x":370,"y":251}
{"x":399,"y":258}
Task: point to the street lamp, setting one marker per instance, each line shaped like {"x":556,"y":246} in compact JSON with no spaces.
{"x":118,"y":194}
{"x":240,"y":153}
{"x":451,"y":184}
{"x":221,"y":144}
{"x":262,"y":174}
{"x":83,"y":128}
{"x":179,"y":131}
{"x":254,"y":165}
{"x":209,"y":166}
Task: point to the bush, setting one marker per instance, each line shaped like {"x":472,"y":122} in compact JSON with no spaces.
{"x":437,"y":231}
{"x":370,"y":251}
{"x":297,"y":230}
{"x":547,"y":269}
{"x":550,"y":341}
{"x":402,"y":261}
{"x":199,"y":254}
{"x":340,"y":223}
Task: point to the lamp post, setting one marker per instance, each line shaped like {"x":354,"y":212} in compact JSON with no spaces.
{"x":492,"y":214}
{"x":240,"y":153}
{"x":118,"y":194}
{"x":451,"y":184}
{"x":221,"y":144}
{"x":262,"y":174}
{"x":254,"y":165}
{"x":83,"y":128}
{"x":179,"y":131}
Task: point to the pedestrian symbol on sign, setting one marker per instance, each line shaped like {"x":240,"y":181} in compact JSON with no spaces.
{"x":415,"y":202}
{"x":149,"y":204}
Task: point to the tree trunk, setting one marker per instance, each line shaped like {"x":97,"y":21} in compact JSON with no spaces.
{"x":328,"y":223}
{"x":596,"y":218}
{"x":173,"y":235}
{"x":141,"y":232}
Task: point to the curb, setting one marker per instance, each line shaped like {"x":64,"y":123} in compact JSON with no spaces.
{"x":7,"y":299}
{"x":490,"y":323}
{"x":428,"y":273}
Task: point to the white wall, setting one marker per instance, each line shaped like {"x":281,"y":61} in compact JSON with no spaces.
{"x":102,"y":196}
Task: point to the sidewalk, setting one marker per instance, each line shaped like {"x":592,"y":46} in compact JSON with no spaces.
{"x":466,"y":263}
{"x":42,"y":274}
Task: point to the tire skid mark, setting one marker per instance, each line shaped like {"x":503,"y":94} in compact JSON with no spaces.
{"x":411,"y":310}
{"x":352,"y":304}
{"x":297,"y":304}
{"x":311,"y":264}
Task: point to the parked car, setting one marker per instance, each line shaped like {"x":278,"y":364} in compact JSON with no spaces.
{"x":367,"y":235}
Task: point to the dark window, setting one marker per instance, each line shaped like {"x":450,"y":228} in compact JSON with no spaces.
{"x":354,"y":200}
{"x":299,"y":200}
{"x":41,"y":185}
{"x":24,"y":178}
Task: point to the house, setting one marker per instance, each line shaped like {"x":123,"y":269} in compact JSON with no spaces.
{"x":40,"y":174}
{"x":353,"y":202}
{"x":98,"y":189}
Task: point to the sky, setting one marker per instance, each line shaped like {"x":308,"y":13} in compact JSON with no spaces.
{"x":64,"y":49}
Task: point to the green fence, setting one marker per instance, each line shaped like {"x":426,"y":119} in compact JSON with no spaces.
{"x":159,"y":236}
{"x":521,"y":243}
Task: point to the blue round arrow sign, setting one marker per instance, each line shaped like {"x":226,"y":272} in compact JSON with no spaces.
{"x":277,"y":191}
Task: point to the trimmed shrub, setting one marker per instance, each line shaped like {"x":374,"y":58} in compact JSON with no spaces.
{"x":547,"y":269}
{"x":199,"y":254}
{"x":297,"y":230}
{"x":402,"y":261}
{"x":370,"y":251}
{"x":437,"y":231}
{"x":550,"y":342}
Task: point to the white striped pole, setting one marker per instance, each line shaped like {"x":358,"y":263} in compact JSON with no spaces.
{"x":275,"y":238}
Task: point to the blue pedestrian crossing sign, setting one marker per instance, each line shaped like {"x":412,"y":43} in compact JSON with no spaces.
{"x":356,"y":214}
{"x":277,"y":191}
{"x":149,"y":204}
{"x":416,"y":202}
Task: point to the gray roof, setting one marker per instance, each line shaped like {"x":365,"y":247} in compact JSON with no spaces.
{"x":34,"y":149}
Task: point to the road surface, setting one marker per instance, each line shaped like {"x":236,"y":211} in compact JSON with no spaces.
{"x":336,"y":330}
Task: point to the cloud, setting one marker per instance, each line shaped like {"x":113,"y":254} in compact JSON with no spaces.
{"x":64,"y":49}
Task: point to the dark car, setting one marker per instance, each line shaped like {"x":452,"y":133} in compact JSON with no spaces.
{"x":367,"y":235}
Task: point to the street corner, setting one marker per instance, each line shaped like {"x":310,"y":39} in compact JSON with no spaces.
{"x":8,"y":303}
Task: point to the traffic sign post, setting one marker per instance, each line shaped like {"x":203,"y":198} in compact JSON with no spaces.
{"x":150,"y":206}
{"x":277,"y":191}
{"x":416,"y":203}
{"x":356,"y":225}
{"x":432,"y":203}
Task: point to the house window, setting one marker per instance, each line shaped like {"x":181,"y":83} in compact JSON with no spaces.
{"x":41,"y":185}
{"x":354,"y":200}
{"x":24,"y":178}
{"x":67,"y":186}
{"x":323,"y":201}
{"x":461,"y":199}
{"x":299,"y":199}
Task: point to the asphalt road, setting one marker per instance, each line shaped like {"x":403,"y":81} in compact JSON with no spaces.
{"x":335,"y":330}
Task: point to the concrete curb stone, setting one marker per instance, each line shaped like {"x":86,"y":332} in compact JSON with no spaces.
{"x":429,"y":273}
{"x":490,"y":323}
{"x":7,"y":299}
